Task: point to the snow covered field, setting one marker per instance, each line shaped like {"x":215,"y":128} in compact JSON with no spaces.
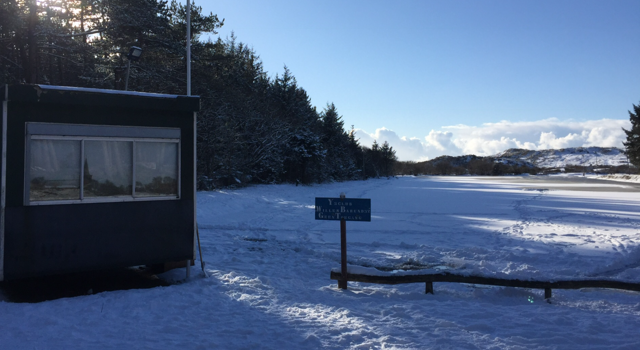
{"x":269,"y":263}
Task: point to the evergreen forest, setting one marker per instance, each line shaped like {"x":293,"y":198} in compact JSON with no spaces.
{"x":252,"y":127}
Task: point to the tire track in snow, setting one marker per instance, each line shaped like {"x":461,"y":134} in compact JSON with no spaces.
{"x":323,"y":325}
{"x":524,"y":215}
{"x":585,"y":229}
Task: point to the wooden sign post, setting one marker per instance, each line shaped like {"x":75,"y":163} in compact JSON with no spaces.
{"x":343,"y":209}
{"x":342,"y":284}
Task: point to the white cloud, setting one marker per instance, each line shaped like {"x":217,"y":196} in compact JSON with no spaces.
{"x":492,"y":138}
{"x":549,"y":140}
{"x":409,"y":148}
{"x":441,"y":140}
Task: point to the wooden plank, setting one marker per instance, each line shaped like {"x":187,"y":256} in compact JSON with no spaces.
{"x":449,"y":277}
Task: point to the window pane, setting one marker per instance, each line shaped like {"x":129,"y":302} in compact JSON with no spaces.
{"x":156,"y":169}
{"x":107,"y":168}
{"x":54,"y":170}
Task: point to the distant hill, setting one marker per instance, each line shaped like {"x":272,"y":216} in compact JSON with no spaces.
{"x":575,"y":156}
{"x":519,"y":161}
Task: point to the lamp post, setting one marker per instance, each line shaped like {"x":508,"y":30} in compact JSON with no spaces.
{"x":133,"y":55}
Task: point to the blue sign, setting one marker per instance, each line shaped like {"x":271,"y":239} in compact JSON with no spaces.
{"x":348,"y":209}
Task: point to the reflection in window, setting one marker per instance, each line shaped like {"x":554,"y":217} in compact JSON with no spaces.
{"x":107,"y":168}
{"x":92,"y":164}
{"x":156,"y":169}
{"x":54,"y":170}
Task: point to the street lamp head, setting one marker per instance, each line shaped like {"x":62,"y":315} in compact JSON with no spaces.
{"x":134,"y":53}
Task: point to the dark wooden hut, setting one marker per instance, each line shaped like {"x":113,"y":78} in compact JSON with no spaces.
{"x":95,"y":179}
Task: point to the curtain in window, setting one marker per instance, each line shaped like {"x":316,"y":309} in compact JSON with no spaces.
{"x":156,"y":169}
{"x":54,"y":170}
{"x":108,"y":168}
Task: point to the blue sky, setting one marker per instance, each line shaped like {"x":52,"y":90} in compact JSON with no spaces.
{"x":455,"y":77}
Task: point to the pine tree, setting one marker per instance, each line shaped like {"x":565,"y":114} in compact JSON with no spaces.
{"x":13,"y":31}
{"x":633,"y":137}
{"x":304,"y":153}
{"x":388,"y":159}
{"x":340,"y":161}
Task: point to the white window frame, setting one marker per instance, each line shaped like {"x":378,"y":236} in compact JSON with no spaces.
{"x":82,"y":133}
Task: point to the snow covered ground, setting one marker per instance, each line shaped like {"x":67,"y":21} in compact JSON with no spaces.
{"x":269,"y":263}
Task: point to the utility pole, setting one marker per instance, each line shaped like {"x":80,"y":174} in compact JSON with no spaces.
{"x":195,"y":159}
{"x":188,"y":47}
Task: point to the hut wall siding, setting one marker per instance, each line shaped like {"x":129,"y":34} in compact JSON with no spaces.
{"x":43,"y":240}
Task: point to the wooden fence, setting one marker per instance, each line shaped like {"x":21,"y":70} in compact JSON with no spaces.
{"x":449,"y":277}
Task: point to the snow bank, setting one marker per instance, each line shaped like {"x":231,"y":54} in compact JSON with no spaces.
{"x":621,"y":177}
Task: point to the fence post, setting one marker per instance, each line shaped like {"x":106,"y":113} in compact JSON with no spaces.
{"x":428,"y":288}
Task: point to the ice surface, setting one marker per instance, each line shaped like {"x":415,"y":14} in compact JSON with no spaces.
{"x":269,"y":263}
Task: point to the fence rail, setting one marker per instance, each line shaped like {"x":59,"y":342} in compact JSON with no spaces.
{"x":449,"y":277}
